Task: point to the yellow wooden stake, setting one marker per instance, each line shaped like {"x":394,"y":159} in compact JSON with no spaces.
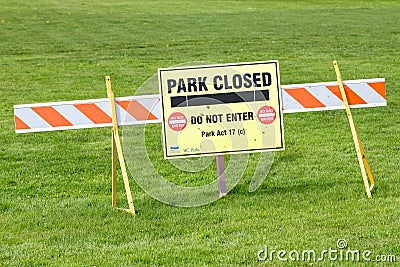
{"x":362,"y":159}
{"x":117,"y":150}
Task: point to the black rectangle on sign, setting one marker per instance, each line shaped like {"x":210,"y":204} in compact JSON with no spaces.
{"x":221,"y":98}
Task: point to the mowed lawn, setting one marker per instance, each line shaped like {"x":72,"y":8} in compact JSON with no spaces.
{"x":55,"y":187}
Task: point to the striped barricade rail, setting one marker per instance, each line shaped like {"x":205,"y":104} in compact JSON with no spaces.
{"x":86,"y":114}
{"x":132,"y":110}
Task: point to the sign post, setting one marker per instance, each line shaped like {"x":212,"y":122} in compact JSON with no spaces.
{"x":220,"y":160}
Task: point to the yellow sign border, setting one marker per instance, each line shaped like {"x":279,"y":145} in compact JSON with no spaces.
{"x":165,"y":98}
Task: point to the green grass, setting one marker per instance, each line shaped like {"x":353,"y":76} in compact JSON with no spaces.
{"x":55,"y":187}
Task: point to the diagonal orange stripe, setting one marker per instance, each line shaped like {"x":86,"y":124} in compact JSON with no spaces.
{"x":305,"y":98}
{"x":352,"y":97}
{"x":137,"y":110}
{"x":379,"y":87}
{"x":51,"y":116}
{"x":19,"y":124}
{"x":94,"y":113}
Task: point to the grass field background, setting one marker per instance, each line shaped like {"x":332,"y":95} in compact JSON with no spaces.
{"x":55,"y":187}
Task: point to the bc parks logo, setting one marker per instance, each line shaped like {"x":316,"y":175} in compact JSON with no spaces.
{"x":174,"y":149}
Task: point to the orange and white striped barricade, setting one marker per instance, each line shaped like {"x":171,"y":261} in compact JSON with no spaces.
{"x":133,"y":110}
{"x":327,"y":96}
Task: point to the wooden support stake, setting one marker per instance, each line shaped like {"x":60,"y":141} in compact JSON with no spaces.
{"x":114,"y":170}
{"x":117,"y":150}
{"x":362,"y":159}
